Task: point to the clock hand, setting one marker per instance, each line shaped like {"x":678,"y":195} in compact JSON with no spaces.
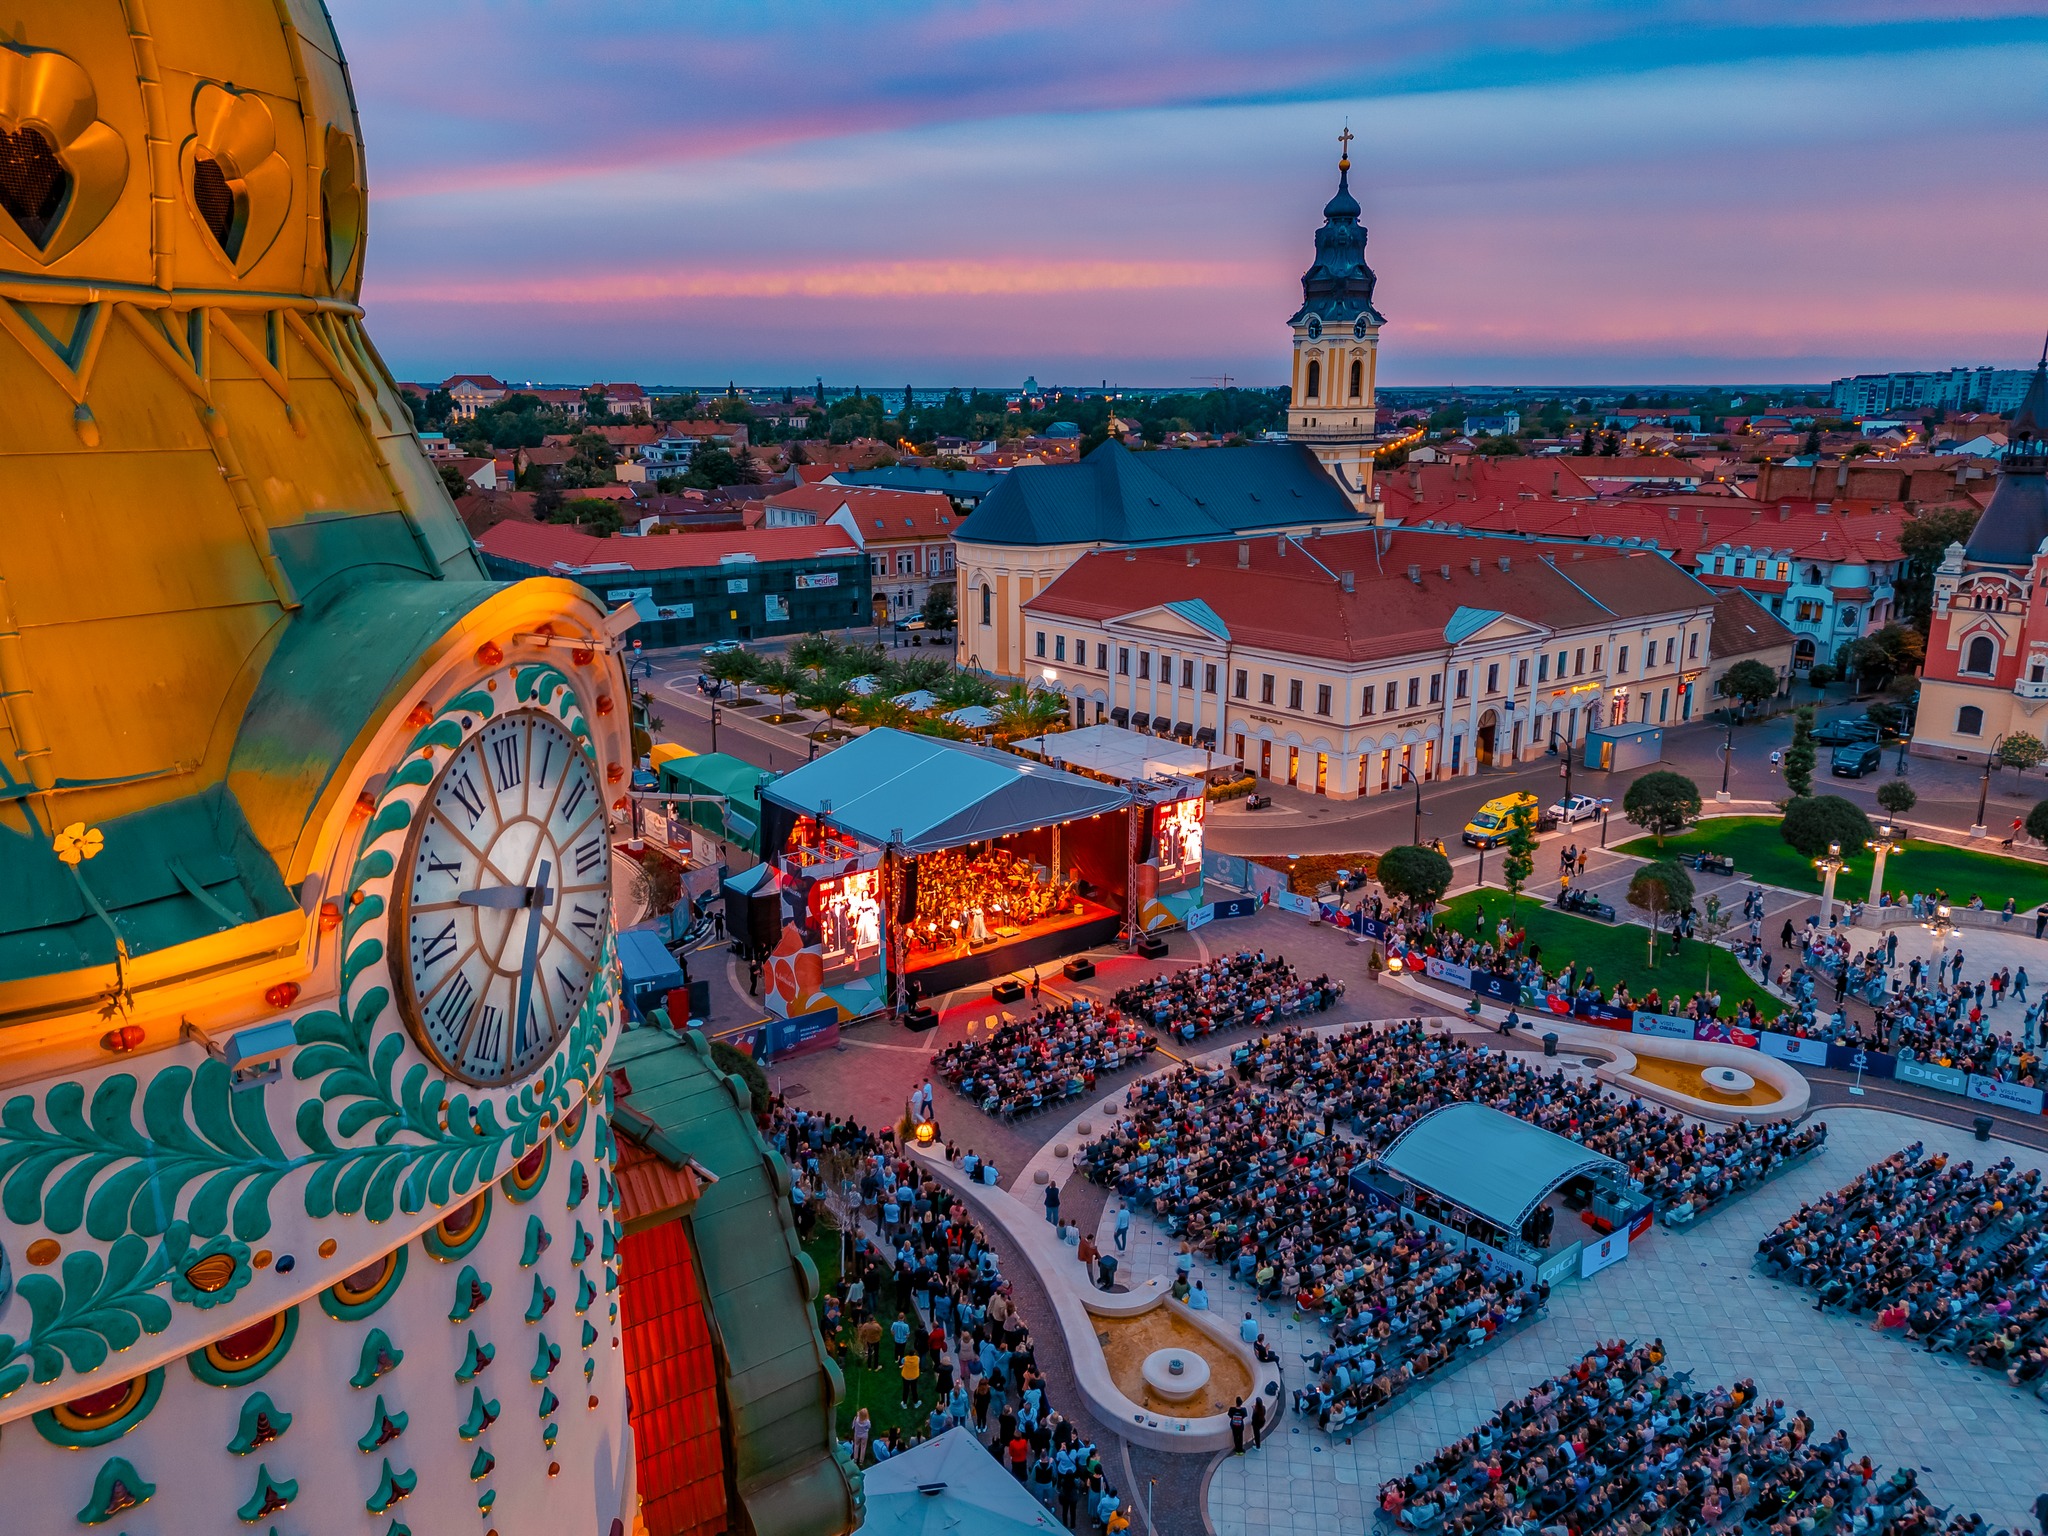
{"x":535,"y":902}
{"x":511,"y":897}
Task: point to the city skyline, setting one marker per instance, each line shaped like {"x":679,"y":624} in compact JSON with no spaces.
{"x":971,"y":194}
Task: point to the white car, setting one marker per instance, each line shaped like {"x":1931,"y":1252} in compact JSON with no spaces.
{"x":1578,"y":808}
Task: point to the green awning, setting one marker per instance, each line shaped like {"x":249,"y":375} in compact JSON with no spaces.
{"x":718,"y":773}
{"x":1490,"y":1163}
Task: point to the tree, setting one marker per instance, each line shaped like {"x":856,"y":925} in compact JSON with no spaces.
{"x":593,"y":514}
{"x":1661,"y":802}
{"x":734,"y":1062}
{"x":829,"y":696}
{"x":1897,"y":796}
{"x":2021,"y":750}
{"x":1657,"y":889}
{"x":1799,"y":756}
{"x":814,"y":653}
{"x":782,"y":680}
{"x":732,"y":667}
{"x":1520,"y":848}
{"x":1820,"y":674}
{"x":451,"y":478}
{"x":1813,"y":821}
{"x":1750,"y":681}
{"x":939,"y":612}
{"x":1924,"y":541}
{"x":2037,"y":822}
{"x":1886,"y":716}
{"x":1415,"y":874}
{"x":1030,"y":712}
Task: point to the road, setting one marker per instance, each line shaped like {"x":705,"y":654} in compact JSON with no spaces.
{"x":1300,"y":823}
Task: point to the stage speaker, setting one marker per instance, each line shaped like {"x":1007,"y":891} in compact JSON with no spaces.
{"x":1152,"y":947}
{"x":919,"y":1017}
{"x":1008,"y":990}
{"x":906,"y":903}
{"x":1080,"y":968}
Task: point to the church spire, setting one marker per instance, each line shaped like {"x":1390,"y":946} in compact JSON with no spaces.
{"x":2026,"y":448}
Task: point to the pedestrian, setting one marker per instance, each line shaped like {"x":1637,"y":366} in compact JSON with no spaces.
{"x":1034,"y":983}
{"x":1237,"y":1418}
{"x":982,"y":1393}
{"x":1086,"y":1250}
{"x":2019,"y":983}
{"x":909,"y":1371}
{"x":1786,"y":935}
{"x":1891,"y":950}
{"x":899,"y":1335}
{"x":1776,"y":758}
{"x":871,"y":1344}
{"x":2041,"y":920}
{"x":1123,"y":1228}
{"x":1582,"y":863}
{"x":1020,"y":1456}
{"x":1052,"y":1201}
{"x":863,"y":1428}
{"x":1259,"y":1421}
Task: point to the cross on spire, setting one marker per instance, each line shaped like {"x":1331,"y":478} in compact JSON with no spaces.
{"x":1344,"y":141}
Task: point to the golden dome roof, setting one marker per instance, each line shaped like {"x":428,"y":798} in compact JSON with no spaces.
{"x":226,"y":552}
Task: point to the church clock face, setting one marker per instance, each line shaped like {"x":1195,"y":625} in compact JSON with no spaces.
{"x":1358,"y":328}
{"x":1315,"y":327}
{"x":503,"y":901}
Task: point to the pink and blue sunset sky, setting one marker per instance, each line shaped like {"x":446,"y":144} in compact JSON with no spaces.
{"x":965,"y":193}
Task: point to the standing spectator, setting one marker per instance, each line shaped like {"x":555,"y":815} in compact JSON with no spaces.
{"x":1123,"y":1228}
{"x":1258,"y":1423}
{"x":871,"y":1344}
{"x":1020,"y":1456}
{"x":899,"y":1334}
{"x":1052,"y":1201}
{"x":1087,"y":1252}
{"x":1237,"y":1418}
{"x":909,"y":1371}
{"x":863,"y":1428}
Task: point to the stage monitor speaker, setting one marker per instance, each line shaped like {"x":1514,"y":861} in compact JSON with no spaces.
{"x":919,"y":1017}
{"x":1152,"y":947}
{"x":906,"y":903}
{"x":764,"y":923}
{"x":1008,"y":990}
{"x":1080,"y":968}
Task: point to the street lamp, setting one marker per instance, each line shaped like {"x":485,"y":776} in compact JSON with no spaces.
{"x":1984,"y":790}
{"x":1417,"y":839}
{"x":1885,"y":842}
{"x":714,"y":723}
{"x":1941,"y":927}
{"x":1832,"y":864}
{"x":1727,"y":751}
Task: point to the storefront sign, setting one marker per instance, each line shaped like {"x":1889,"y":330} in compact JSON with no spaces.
{"x":736,"y":583}
{"x":1989,"y":1090}
{"x":1667,"y":1026}
{"x":1947,"y":1079}
{"x":811,"y":581}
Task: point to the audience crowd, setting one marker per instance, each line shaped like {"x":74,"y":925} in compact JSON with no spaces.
{"x":1019,"y":1068}
{"x":1950,"y":1258}
{"x":1621,"y":1443}
{"x":1249,"y":987}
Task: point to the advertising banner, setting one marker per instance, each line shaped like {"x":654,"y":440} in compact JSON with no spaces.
{"x":1501,"y":989}
{"x":810,"y":581}
{"x":1611,"y":1249}
{"x":1668,"y":1026}
{"x":1560,"y":1265}
{"x":1445,"y":970}
{"x":1793,"y":1048}
{"x":1236,"y":906}
{"x":776,"y":607}
{"x":1947,"y":1079}
{"x":1373,"y":928}
{"x":1724,"y":1034}
{"x":1855,"y":1058}
{"x":1198,"y":916}
{"x":1989,"y":1090}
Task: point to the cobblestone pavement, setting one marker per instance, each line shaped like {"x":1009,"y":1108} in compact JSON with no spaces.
{"x":1980,"y":1444}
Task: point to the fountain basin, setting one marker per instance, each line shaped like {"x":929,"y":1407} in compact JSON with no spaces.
{"x":1174,"y":1374}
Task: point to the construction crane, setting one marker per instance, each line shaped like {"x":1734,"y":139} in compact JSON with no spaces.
{"x":1221,"y":380}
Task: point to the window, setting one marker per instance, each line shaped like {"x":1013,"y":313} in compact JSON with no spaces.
{"x":1692,"y":648}
{"x":1784,"y":570}
{"x":1080,"y":650}
{"x":1038,"y":644}
{"x":1543,"y":668}
{"x":1982,"y":655}
{"x":1462,"y":675}
{"x":1365,"y":700}
{"x":1560,"y":664}
{"x":1243,"y":678}
{"x":1059,"y":647}
{"x":1294,"y":693}
{"x":1265,"y":687}
{"x":1145,"y":664}
{"x":1209,"y":678}
{"x":1101,"y":657}
{"x":906,"y":563}
{"x":1165,"y":667}
{"x":1315,"y":380}
{"x":1670,"y":651}
{"x":1187,"y":674}
{"x":1522,"y":673}
{"x":1436,"y":687}
{"x":1596,"y":658}
{"x":1322,"y":698}
{"x":1621,"y":661}
{"x":1969,"y":721}
{"x":987,"y":600}
{"x":1578,"y":661}
{"x":1664,"y":706}
{"x":1414,"y":691}
{"x":1493,"y":677}
{"x":1123,"y":660}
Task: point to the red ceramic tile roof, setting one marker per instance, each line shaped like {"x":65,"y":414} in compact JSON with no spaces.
{"x":1285,"y":602}
{"x":882,"y":514}
{"x":651,"y":1187}
{"x":1742,"y":627}
{"x":546,"y":545}
{"x":1684,"y":526}
{"x":672,"y":1384}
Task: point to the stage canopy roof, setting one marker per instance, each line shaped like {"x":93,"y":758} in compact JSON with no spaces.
{"x":929,"y":793}
{"x":1490,"y":1163}
{"x":950,"y":1484}
{"x":1119,"y":753}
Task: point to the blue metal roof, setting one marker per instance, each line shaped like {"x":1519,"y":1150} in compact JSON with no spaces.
{"x":1490,"y":1163}
{"x":1201,"y":615}
{"x":1467,"y":622}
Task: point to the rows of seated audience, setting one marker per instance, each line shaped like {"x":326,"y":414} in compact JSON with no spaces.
{"x":1247,"y":988}
{"x":1949,"y":1257}
{"x":1021,"y":1067}
{"x":1623,"y":1443}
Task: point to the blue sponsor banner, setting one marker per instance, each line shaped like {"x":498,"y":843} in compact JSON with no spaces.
{"x":1236,"y":906}
{"x":1602,"y":1013}
{"x":1795,"y":1048}
{"x":1197,"y":916}
{"x":1989,"y":1090}
{"x":1447,"y":970}
{"x":1667,"y":1026}
{"x":1947,"y":1079}
{"x":1856,"y":1058}
{"x":1373,"y":927}
{"x":1501,"y":989}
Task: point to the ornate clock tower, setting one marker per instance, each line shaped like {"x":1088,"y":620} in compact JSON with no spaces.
{"x":307,"y":988}
{"x":1336,"y":348}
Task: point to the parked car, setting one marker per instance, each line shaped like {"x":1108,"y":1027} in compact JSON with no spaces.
{"x":1845,"y":729}
{"x":721,"y":647}
{"x":1577,"y":808}
{"x":1855,"y":760}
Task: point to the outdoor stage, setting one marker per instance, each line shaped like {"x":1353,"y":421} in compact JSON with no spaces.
{"x":1051,"y":939}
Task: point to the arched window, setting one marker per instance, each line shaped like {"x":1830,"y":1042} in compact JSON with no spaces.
{"x":1969,"y":721}
{"x":1357,"y":380}
{"x":987,"y":600}
{"x":1315,"y":380}
{"x":1982,"y":655}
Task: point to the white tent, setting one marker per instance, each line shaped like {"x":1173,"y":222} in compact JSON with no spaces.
{"x":951,"y":1486}
{"x":862,"y":685}
{"x":920,"y":699}
{"x":974,"y":716}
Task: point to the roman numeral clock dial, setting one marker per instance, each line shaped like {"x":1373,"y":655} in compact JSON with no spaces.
{"x":504,"y":900}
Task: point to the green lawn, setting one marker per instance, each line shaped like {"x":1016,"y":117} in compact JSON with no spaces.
{"x":1761,"y":854}
{"x":1616,"y":951}
{"x":880,"y":1392}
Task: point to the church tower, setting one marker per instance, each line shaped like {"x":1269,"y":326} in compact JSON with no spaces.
{"x":1336,"y":348}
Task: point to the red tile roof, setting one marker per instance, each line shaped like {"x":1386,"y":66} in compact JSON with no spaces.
{"x":547,"y":546}
{"x":1742,"y":627}
{"x":881,"y":513}
{"x":1287,"y":602}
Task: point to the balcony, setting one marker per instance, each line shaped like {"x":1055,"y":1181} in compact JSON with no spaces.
{"x":2029,"y":690}
{"x":1335,"y":427}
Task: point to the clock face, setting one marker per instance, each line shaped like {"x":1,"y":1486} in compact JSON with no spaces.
{"x":504,"y":902}
{"x":1315,"y":327}
{"x":1358,"y":329}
